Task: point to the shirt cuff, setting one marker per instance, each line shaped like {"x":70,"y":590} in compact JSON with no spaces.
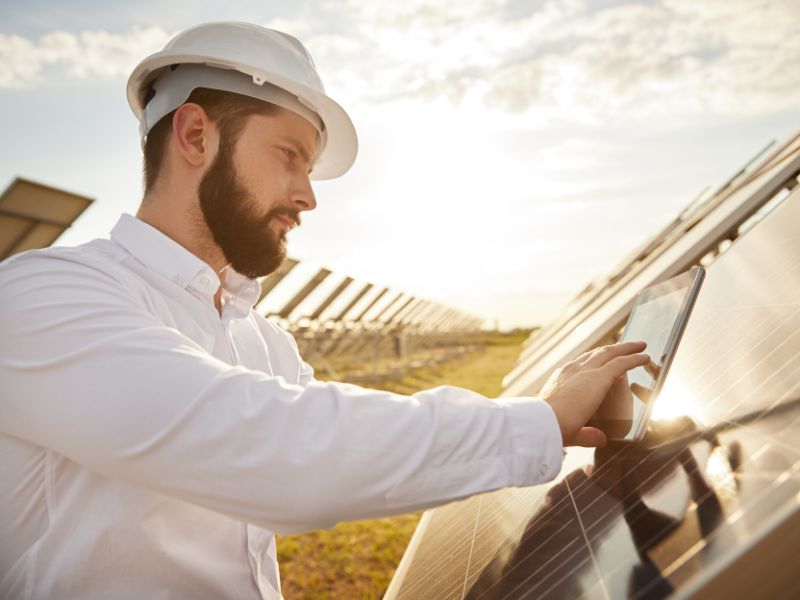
{"x":535,"y":450}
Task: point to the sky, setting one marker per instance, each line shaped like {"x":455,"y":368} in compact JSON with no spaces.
{"x":510,"y":152}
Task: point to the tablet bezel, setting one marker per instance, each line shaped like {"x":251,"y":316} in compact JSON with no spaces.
{"x":690,"y":281}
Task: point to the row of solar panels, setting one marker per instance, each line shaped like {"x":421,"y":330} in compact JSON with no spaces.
{"x":304,"y":296}
{"x":715,"y":514}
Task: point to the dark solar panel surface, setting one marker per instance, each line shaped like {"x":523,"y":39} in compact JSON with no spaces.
{"x":628,"y":522}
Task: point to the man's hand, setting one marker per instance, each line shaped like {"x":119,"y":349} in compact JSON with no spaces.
{"x":576,"y":390}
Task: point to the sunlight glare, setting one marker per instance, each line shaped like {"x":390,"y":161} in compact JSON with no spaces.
{"x":675,"y":401}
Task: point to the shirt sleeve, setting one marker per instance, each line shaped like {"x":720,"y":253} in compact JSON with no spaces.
{"x":88,"y":372}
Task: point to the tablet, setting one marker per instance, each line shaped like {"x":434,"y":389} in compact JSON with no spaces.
{"x":659,"y":317}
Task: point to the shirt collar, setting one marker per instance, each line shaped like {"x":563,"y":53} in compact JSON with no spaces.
{"x":167,"y":257}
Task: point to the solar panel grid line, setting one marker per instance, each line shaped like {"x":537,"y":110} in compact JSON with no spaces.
{"x":489,"y":523}
{"x":471,"y":547}
{"x":720,"y":359}
{"x":790,"y":170}
{"x":426,"y":571}
{"x":722,"y":396}
{"x":402,"y":568}
{"x":412,"y":591}
{"x":553,"y":564}
{"x":736,"y":341}
{"x":586,"y":541}
{"x":450,"y":548}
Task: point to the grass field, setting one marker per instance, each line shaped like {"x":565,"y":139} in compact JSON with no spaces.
{"x":357,"y":559}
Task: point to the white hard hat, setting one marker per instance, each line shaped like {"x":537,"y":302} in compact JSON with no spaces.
{"x":276,"y":67}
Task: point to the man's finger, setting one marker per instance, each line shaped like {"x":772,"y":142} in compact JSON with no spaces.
{"x":603,"y":355}
{"x":622,"y":364}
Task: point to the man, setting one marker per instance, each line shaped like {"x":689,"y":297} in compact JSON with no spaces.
{"x":155,"y":431}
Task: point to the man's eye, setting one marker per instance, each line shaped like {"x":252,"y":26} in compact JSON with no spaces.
{"x":288,"y":152}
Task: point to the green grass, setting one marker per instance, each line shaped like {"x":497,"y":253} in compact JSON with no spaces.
{"x":357,"y":559}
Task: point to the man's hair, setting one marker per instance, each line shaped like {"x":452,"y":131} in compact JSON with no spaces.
{"x":229,"y":111}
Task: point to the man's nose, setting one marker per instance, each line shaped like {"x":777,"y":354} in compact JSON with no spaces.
{"x":303,"y":197}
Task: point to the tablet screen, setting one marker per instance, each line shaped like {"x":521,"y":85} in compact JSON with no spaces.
{"x":659,"y":317}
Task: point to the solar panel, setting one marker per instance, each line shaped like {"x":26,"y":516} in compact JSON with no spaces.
{"x":680,"y":520}
{"x":698,"y":236}
{"x":33,"y":215}
{"x":586,"y":301}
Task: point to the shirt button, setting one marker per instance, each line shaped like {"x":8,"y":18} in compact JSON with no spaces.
{"x":205,"y":280}
{"x":543,"y":470}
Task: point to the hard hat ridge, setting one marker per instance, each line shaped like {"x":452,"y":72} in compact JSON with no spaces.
{"x":278,"y":68}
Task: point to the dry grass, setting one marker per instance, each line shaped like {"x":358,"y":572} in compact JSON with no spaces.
{"x":357,"y":559}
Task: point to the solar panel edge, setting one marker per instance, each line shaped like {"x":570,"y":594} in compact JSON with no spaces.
{"x":408,"y":555}
{"x":733,"y":576}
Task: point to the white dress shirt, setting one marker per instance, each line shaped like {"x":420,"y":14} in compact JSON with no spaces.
{"x":151,"y":446}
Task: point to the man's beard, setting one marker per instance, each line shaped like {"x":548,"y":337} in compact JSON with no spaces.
{"x":249,"y":244}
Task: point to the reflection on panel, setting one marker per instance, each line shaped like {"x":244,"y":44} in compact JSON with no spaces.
{"x":723,"y":483}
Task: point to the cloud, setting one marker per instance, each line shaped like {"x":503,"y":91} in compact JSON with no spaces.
{"x":59,"y":55}
{"x":553,"y":58}
{"x":631,"y":59}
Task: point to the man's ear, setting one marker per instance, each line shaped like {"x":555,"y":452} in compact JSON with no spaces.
{"x":194,"y":134}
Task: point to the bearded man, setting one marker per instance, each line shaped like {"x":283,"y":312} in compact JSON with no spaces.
{"x":155,"y":431}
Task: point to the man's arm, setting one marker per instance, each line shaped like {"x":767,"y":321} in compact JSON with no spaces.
{"x":88,"y":373}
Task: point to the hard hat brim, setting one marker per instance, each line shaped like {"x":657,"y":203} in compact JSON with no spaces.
{"x":341,"y":148}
